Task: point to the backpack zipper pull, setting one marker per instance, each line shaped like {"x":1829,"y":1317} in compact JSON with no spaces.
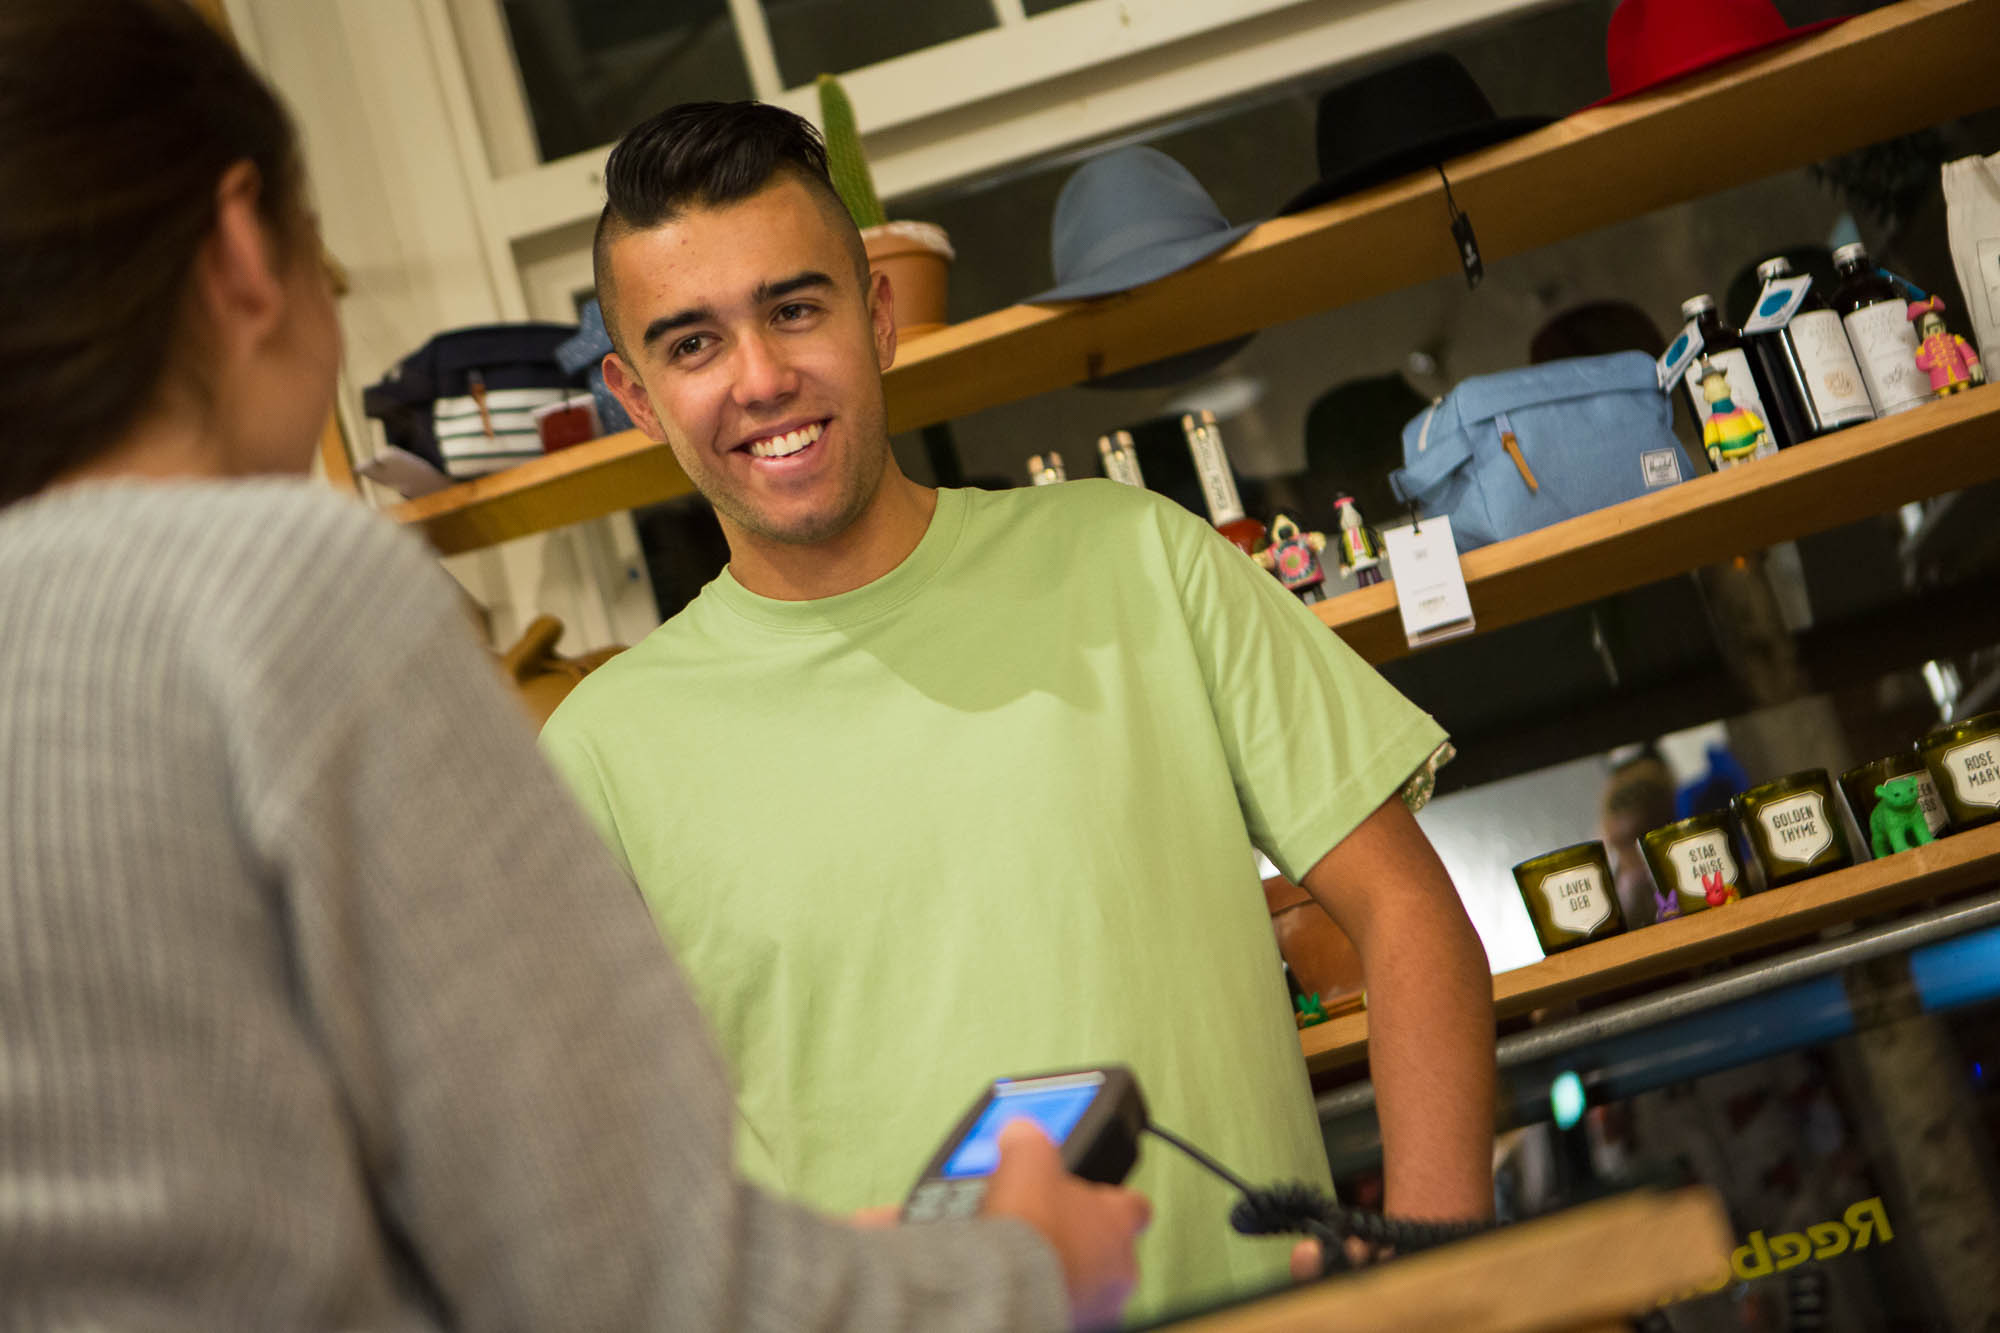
{"x":1513,"y":448}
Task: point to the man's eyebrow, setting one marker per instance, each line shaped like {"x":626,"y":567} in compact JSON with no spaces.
{"x":771,"y":291}
{"x":765,"y":293}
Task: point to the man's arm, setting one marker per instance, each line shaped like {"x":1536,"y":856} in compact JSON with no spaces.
{"x":1430,"y":1013}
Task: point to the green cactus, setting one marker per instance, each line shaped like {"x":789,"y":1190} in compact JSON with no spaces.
{"x":844,"y":160}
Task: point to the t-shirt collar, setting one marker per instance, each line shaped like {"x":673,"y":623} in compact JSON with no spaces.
{"x":868,"y":601}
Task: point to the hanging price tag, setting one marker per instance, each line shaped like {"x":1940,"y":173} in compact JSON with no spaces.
{"x":1430,"y":586}
{"x":1777,"y":303}
{"x":1674,"y":362}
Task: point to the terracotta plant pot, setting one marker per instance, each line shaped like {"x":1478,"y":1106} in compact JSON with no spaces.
{"x":917,"y":257}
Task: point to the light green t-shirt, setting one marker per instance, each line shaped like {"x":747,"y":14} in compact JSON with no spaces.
{"x":993,"y":814}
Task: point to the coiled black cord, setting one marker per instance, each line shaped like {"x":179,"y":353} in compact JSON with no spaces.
{"x":1302,"y":1210}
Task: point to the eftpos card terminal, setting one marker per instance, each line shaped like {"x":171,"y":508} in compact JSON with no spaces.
{"x":1094,"y":1116}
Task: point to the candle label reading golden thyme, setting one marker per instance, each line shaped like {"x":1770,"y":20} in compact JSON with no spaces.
{"x":1702,"y":862}
{"x":1975,"y":771}
{"x":1576,"y":898}
{"x":1796,"y":828}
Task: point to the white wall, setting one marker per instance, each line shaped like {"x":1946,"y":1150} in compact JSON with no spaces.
{"x":386,"y":128}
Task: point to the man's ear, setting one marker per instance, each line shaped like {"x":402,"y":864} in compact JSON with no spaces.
{"x":882,"y":315}
{"x":237,"y":279}
{"x":631,"y":395}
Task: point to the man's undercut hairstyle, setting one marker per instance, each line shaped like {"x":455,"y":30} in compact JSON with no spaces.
{"x":705,"y":155}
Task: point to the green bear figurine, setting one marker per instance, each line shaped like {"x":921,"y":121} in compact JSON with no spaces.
{"x":1898,"y":823}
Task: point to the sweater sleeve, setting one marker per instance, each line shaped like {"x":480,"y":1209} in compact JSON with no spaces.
{"x":533,"y":1093}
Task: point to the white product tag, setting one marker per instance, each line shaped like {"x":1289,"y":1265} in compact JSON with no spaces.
{"x":1430,"y":585}
{"x":1777,"y":303}
{"x":1660,"y":467}
{"x":1674,"y":362}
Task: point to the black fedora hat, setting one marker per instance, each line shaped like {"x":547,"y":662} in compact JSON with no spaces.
{"x":1393,"y":121}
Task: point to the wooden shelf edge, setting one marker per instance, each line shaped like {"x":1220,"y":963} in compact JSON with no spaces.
{"x":589,"y":480}
{"x":1863,"y":471}
{"x":1961,"y":861}
{"x":1644,"y":1248}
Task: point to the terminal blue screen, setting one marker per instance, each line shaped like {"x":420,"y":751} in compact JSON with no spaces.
{"x":1056,"y":1108}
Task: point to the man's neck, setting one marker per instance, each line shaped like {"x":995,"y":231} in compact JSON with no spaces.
{"x":881,"y":539}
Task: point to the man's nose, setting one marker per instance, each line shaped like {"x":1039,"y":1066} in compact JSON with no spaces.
{"x":763,"y":371}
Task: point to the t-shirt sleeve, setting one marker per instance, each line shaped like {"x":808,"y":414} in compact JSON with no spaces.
{"x":1316,"y":738}
{"x":535,"y":1097}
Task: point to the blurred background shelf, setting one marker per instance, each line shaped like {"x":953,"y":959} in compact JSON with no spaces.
{"x":1594,"y":168}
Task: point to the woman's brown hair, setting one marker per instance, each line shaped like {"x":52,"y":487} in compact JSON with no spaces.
{"x":118,"y":119}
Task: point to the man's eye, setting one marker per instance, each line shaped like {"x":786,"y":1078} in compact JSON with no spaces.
{"x":688,"y":346}
{"x":795,"y":311}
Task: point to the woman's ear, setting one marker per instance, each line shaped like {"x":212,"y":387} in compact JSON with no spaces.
{"x":237,"y":281}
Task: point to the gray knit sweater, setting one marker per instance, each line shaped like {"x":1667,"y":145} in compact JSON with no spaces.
{"x":320,"y":1006}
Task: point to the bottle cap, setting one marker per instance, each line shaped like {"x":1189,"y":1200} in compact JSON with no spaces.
{"x":1774,"y":268}
{"x":1697,"y":305}
{"x":1855,"y":253}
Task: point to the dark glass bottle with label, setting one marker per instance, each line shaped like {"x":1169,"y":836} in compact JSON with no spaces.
{"x":1878,"y":329}
{"x":1724,"y":347}
{"x":1822,"y":390}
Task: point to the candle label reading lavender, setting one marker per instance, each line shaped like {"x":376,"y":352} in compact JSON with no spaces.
{"x":1576,"y":898}
{"x":1701,"y":860}
{"x":1975,"y":771}
{"x":1796,"y":828}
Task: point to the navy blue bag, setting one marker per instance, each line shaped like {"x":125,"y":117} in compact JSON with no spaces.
{"x":1508,"y":453}
{"x":464,"y":401}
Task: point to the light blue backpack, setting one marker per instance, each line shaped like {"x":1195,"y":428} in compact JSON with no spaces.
{"x":1506,"y":454}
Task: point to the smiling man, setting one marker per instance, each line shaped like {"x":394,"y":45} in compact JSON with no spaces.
{"x":934,"y":786}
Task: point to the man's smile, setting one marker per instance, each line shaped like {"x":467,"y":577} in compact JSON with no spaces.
{"x":784,"y":443}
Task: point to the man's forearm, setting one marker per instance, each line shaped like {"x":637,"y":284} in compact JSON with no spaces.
{"x":1430,"y":1013}
{"x":1430,"y":1052}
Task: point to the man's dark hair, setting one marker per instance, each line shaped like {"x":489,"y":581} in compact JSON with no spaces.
{"x":704,"y":155}
{"x":119,"y":119}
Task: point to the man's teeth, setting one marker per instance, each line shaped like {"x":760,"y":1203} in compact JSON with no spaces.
{"x":779,"y":446}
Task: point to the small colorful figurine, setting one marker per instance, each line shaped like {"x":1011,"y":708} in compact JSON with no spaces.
{"x":1293,"y":556}
{"x":1731,"y":434}
{"x":1898,"y":822}
{"x":1360,"y":552}
{"x":1666,"y":906}
{"x":1307,"y":1010}
{"x":1952,"y":362}
{"x":1718,"y":893}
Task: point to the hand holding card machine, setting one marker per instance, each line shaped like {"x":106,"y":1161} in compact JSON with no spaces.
{"x":1094,"y":1116}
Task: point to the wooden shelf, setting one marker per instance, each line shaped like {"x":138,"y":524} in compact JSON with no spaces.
{"x":1950,"y":865}
{"x":1643,"y":1248}
{"x":1862,"y":471}
{"x":1897,"y":69}
{"x":603,"y":476}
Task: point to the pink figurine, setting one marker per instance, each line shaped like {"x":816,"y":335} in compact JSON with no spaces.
{"x":1952,"y":362}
